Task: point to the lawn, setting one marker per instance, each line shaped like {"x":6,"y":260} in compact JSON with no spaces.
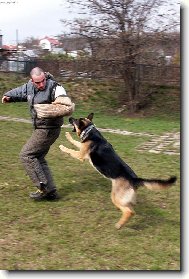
{"x":77,"y":232}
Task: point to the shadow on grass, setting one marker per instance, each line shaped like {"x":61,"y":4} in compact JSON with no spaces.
{"x":148,"y":213}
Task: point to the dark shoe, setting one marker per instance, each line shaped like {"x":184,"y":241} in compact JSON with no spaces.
{"x":52,"y":196}
{"x":40,"y":195}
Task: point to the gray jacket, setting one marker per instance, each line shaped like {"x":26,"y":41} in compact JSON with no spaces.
{"x":29,"y":93}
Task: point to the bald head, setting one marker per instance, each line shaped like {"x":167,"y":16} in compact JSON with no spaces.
{"x":38,"y":78}
{"x":36,"y":71}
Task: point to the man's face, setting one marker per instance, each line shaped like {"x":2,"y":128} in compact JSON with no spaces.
{"x":39,"y":81}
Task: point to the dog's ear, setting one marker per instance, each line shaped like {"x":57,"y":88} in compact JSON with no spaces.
{"x":90,"y":116}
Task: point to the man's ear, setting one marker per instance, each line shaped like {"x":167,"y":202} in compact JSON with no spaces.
{"x":90,"y":116}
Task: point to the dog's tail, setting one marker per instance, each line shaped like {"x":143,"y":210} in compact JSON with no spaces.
{"x":155,"y":184}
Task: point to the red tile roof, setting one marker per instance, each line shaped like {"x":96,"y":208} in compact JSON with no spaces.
{"x":53,"y":41}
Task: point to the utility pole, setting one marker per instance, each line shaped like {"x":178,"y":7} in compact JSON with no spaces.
{"x":17,"y":48}
{"x":1,"y":39}
{"x":17,"y":39}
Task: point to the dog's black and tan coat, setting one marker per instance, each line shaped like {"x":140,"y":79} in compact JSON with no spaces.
{"x":100,"y":153}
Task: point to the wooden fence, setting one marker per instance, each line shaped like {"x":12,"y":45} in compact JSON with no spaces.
{"x":99,"y":69}
{"x":103,"y":69}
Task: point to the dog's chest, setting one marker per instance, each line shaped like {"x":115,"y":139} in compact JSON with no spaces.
{"x":90,"y":161}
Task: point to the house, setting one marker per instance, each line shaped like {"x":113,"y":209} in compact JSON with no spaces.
{"x":7,"y":50}
{"x":48,"y":43}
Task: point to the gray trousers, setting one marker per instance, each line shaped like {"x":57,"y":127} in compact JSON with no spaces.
{"x":33,"y":155}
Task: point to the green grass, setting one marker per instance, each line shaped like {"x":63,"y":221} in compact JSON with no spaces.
{"x":157,"y":125}
{"x":77,"y":232}
{"x":103,"y":98}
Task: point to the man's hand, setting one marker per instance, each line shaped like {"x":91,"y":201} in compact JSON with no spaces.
{"x":63,"y":101}
{"x":5,"y":99}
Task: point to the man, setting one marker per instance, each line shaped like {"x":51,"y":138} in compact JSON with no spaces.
{"x":48,"y":104}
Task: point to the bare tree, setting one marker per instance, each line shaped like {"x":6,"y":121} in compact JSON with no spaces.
{"x":124,"y":30}
{"x":31,"y":43}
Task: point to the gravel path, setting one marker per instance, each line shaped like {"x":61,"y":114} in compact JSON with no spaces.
{"x":168,"y":143}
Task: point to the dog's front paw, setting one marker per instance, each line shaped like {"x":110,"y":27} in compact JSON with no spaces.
{"x":62,"y":148}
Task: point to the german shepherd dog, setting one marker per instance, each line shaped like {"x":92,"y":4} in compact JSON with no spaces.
{"x":100,"y":153}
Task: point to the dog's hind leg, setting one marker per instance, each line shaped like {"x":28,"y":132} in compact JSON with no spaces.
{"x":123,"y":197}
{"x":127,"y":213}
{"x":114,"y":200}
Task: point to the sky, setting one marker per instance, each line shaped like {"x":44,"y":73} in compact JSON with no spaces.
{"x":33,"y":18}
{"x":36,"y":18}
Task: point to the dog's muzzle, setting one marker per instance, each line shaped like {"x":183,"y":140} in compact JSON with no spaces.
{"x":71,"y":120}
